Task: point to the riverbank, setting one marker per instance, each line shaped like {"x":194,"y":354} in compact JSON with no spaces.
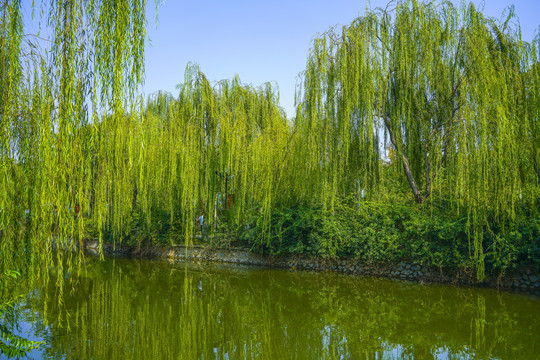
{"x":522,"y":279}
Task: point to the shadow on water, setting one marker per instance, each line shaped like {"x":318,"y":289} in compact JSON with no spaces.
{"x":131,"y":309}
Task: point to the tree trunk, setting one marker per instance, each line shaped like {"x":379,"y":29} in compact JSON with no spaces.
{"x":406,"y":166}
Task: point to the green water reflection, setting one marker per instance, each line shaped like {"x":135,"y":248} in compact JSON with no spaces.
{"x":130,"y":309}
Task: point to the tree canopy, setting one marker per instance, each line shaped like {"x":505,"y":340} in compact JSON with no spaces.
{"x":453,"y":94}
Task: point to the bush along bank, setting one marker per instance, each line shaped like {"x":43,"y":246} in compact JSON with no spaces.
{"x":374,"y":232}
{"x":401,"y":241}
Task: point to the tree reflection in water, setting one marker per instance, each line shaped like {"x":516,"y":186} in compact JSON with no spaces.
{"x":128,"y":309}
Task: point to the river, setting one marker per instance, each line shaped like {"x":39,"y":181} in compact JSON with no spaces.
{"x":144,"y":309}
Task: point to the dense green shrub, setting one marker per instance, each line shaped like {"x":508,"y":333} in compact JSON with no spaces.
{"x":379,"y":231}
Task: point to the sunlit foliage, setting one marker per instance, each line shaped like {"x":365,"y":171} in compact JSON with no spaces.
{"x":53,"y":89}
{"x":452,"y":94}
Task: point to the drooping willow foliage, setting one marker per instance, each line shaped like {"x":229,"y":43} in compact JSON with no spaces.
{"x":54,"y":88}
{"x":454,"y":93}
{"x":183,"y":156}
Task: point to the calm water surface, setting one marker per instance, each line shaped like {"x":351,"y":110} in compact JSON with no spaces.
{"x":132,"y":309}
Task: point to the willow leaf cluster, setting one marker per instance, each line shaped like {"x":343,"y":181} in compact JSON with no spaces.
{"x":453,"y":92}
{"x":54,"y":87}
{"x":216,"y":147}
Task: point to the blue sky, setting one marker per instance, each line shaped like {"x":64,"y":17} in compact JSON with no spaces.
{"x":260,"y":40}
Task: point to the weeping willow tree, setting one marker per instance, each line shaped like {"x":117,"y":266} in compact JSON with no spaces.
{"x":53,"y":88}
{"x":51,"y":103}
{"x":190,"y":156}
{"x":455,"y":94}
{"x":232,"y":134}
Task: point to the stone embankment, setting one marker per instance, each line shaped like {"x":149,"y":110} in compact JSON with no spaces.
{"x":524,"y":279}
